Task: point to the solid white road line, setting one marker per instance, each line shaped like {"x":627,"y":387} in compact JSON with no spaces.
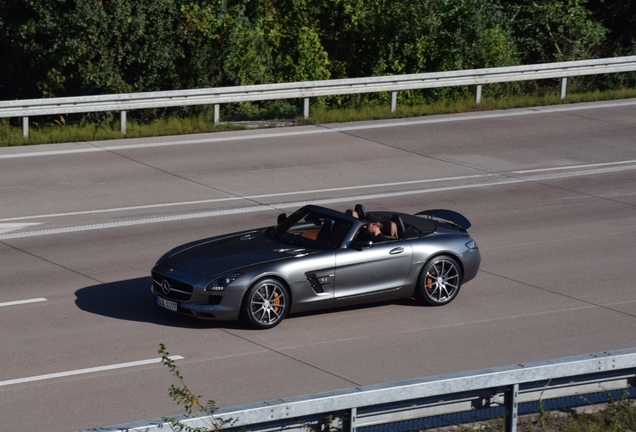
{"x":322,"y":130}
{"x":496,"y":182}
{"x":19,"y":302}
{"x":249,"y":197}
{"x":305,"y":192}
{"x":85,"y":371}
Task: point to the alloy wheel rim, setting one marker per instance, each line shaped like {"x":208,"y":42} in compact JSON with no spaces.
{"x":442,"y":280}
{"x":267,"y":304}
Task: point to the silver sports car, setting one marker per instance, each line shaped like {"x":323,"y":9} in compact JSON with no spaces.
{"x":318,"y":258}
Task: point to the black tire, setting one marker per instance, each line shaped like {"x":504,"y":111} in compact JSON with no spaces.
{"x":266,"y":304}
{"x":439,"y":282}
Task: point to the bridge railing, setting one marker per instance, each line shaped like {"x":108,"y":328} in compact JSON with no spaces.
{"x":359,"y":407}
{"x":216,"y":96}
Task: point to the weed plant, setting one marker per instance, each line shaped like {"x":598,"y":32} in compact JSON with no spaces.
{"x":192,"y":404}
{"x":59,"y":131}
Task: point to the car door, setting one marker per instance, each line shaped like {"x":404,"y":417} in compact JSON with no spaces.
{"x":381,"y":267}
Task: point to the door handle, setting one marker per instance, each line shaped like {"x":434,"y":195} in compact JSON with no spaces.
{"x":396,"y":250}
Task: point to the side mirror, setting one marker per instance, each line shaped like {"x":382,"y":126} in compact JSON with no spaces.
{"x":281,"y":217}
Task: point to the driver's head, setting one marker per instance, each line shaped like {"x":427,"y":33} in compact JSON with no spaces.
{"x":373,"y":223}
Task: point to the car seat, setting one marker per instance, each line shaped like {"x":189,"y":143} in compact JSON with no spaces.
{"x":362,"y":212}
{"x":399,"y":224}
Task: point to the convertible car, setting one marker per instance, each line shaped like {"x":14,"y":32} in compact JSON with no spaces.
{"x":318,"y":258}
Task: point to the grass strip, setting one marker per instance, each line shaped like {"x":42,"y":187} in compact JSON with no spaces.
{"x":58,"y":131}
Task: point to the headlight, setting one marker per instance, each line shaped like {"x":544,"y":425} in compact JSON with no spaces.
{"x":219,"y":284}
{"x":471,"y":244}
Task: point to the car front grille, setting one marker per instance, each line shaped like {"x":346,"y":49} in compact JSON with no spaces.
{"x":179,"y":291}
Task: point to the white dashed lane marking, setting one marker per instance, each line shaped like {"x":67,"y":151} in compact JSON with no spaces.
{"x":8,"y":227}
{"x":19,"y":302}
{"x":85,"y":371}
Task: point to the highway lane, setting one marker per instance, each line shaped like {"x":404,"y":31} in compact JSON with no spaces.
{"x":550,"y":193}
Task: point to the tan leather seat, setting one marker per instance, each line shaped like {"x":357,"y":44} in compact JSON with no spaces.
{"x":389,"y":228}
{"x":352,"y":213}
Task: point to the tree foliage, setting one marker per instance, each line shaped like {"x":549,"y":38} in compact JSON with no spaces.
{"x":555,"y":30}
{"x":54,"y":48}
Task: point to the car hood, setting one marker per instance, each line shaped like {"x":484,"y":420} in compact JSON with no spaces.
{"x":214,"y":256}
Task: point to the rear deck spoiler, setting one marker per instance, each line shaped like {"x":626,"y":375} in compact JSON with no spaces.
{"x":447,"y":215}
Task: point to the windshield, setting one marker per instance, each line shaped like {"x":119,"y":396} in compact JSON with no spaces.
{"x":313,"y":229}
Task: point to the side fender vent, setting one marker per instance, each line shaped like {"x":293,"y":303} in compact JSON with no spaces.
{"x":315,"y":283}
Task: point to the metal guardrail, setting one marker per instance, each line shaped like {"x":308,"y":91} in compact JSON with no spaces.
{"x":506,"y":386}
{"x":394,"y":83}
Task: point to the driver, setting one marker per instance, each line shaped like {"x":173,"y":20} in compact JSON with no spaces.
{"x":373,"y":231}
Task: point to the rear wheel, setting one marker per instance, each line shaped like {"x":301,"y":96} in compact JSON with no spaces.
{"x":266,"y":304}
{"x":439,"y":281}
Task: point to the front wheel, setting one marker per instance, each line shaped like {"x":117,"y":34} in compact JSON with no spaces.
{"x":439,"y":281}
{"x":266,"y":304}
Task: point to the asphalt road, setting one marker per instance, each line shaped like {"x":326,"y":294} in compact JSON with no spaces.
{"x":551,"y":193}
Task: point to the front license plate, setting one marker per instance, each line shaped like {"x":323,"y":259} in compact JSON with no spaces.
{"x":167,"y":303}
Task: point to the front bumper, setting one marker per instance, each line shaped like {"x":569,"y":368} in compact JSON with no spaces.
{"x":220,"y":305}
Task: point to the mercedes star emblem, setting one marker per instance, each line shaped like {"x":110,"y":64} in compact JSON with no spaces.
{"x":165,"y":287}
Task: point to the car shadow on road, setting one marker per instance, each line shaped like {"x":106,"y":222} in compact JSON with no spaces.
{"x":131,"y":300}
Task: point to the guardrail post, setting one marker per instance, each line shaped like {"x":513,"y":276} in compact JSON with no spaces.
{"x":393,"y":101}
{"x":306,"y":108}
{"x":25,"y":127}
{"x":512,"y":407}
{"x":564,"y":85}
{"x":122,"y":120}
{"x":217,"y":113}
{"x":478,"y":94}
{"x":349,"y":422}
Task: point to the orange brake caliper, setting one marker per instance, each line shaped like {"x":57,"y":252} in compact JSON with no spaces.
{"x":276,"y":301}
{"x":429,"y":282}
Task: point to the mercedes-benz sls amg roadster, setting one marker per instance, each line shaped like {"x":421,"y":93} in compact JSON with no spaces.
{"x":318,"y":258}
